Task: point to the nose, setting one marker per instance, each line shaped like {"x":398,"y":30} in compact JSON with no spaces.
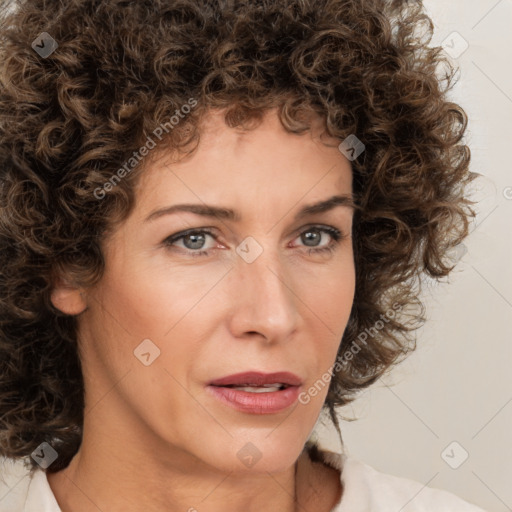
{"x":263,"y":300}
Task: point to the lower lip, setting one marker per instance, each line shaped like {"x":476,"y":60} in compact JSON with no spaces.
{"x":256,"y":403}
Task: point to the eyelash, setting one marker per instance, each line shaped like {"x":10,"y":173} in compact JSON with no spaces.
{"x":336,"y":235}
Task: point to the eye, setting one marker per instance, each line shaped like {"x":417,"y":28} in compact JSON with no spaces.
{"x":193,"y":241}
{"x":313,"y":236}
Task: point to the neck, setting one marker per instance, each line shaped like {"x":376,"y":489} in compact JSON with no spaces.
{"x":106,"y":475}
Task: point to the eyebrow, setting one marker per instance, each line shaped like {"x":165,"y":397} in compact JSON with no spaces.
{"x":228,"y":214}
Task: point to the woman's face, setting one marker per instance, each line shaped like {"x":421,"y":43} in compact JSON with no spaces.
{"x":242,"y":293}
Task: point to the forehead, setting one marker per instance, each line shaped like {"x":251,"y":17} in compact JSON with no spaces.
{"x":266,"y":167}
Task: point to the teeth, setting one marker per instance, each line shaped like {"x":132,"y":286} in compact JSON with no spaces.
{"x":267,"y":388}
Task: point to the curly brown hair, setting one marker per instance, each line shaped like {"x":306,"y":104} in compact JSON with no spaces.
{"x":68,"y":120}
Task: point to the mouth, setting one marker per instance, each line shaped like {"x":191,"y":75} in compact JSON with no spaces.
{"x":253,"y":388}
{"x":257,"y":393}
{"x":258,"y":380}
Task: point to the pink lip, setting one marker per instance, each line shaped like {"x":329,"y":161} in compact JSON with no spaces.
{"x":257,"y":403}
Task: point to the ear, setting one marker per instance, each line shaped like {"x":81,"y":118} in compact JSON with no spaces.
{"x":68,"y":298}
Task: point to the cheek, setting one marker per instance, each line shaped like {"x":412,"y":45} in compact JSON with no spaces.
{"x":329,"y":306}
{"x":151,"y":297}
{"x":329,"y":293}
{"x":174,"y":308}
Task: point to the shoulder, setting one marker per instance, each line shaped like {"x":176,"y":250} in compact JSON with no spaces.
{"x":23,"y":489}
{"x":367,"y":490}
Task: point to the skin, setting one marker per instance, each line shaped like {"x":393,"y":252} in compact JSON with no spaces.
{"x":154,"y":439}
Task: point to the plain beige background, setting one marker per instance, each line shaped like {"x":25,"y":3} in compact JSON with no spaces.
{"x":458,"y":385}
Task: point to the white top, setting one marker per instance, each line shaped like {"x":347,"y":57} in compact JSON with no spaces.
{"x":364,"y":490}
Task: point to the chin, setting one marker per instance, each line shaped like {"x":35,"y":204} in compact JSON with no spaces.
{"x":257,"y":452}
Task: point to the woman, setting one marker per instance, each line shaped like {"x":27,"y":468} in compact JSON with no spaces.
{"x":205,"y":206}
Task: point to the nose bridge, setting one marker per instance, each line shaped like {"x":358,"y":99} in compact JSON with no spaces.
{"x":264,"y":300}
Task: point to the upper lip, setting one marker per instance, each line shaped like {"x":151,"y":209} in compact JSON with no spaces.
{"x":258,"y":379}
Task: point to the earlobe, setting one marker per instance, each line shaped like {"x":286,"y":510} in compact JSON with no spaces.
{"x":68,"y":299}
